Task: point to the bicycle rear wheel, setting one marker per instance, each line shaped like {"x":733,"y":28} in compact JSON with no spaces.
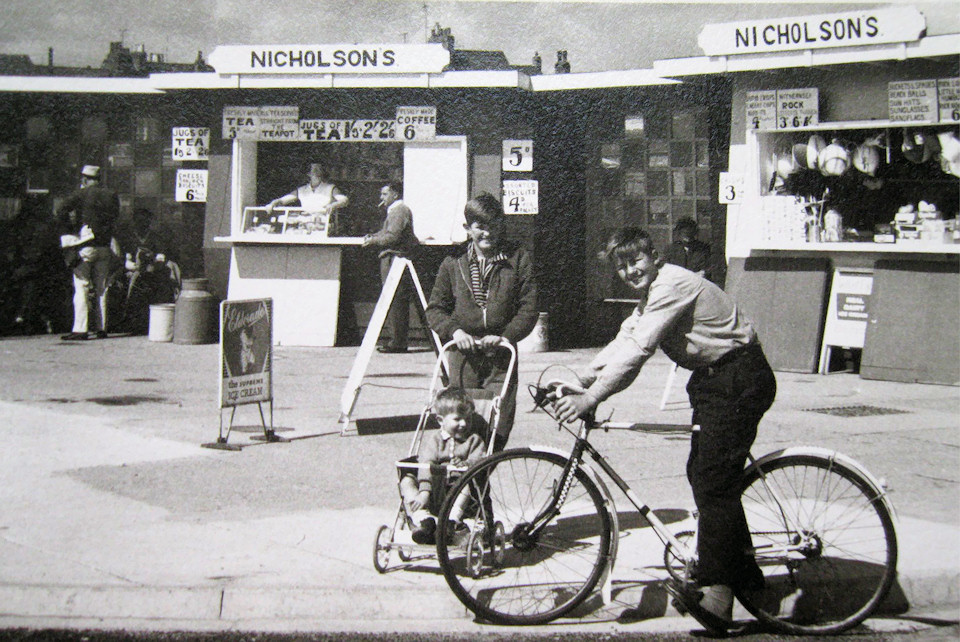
{"x":526,"y":579}
{"x":825,"y":542}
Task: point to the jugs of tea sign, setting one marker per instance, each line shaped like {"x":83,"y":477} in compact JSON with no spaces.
{"x":196,"y":316}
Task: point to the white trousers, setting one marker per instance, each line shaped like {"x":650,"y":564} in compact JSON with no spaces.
{"x":91,"y":272}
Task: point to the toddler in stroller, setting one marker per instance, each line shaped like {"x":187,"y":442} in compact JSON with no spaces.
{"x":457,"y":443}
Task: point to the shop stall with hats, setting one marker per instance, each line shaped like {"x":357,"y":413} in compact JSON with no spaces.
{"x":843,"y":189}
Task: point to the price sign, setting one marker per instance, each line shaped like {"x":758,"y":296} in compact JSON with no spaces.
{"x":912,"y":101}
{"x":191,"y":186}
{"x":948,"y":93}
{"x":416,"y":123}
{"x":518,"y":155}
{"x":348,"y":131}
{"x":520,"y":197}
{"x":241,"y":123}
{"x":731,"y":188}
{"x":798,"y":107}
{"x":761,"y":109}
{"x":261,"y":123}
{"x":190,"y":143}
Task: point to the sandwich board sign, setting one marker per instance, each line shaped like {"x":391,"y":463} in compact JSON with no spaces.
{"x":246,"y":363}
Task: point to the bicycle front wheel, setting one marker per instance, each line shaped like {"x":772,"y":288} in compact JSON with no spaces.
{"x":526,"y":578}
{"x":824,"y":540}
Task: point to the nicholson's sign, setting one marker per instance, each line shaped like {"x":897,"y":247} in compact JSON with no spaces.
{"x":329,"y":59}
{"x":867,"y":27}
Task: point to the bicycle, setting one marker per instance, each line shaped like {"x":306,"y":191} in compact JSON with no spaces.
{"x":821,"y":524}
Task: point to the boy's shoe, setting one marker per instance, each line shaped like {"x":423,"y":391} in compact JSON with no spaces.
{"x":687,"y":601}
{"x":457,"y":533}
{"x":100,"y":334}
{"x":426,"y":533}
{"x":74,"y":336}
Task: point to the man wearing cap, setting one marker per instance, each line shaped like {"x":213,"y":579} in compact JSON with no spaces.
{"x":90,"y":213}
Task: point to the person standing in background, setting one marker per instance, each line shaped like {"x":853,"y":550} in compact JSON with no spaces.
{"x":689,"y":252}
{"x":396,"y":238}
{"x":318,"y":196}
{"x":91,"y":210}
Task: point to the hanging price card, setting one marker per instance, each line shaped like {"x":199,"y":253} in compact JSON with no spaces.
{"x":948,"y":93}
{"x":191,"y":186}
{"x":761,"y":109}
{"x":520,"y":197}
{"x":190,"y":143}
{"x":518,"y":155}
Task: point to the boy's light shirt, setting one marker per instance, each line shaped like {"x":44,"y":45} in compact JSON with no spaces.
{"x":690,"y":318}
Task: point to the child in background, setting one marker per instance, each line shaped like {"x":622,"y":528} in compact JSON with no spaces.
{"x":457,"y":443}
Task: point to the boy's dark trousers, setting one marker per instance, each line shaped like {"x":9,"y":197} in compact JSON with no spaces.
{"x":728,"y":400}
{"x":477,"y":370}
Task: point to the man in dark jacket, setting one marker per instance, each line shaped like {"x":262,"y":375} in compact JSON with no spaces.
{"x":90,"y":214}
{"x":689,"y":252}
{"x":485,"y":295}
{"x":395,"y":239}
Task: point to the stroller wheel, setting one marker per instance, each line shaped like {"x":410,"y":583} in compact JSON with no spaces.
{"x":498,"y":544}
{"x":381,"y":549}
{"x":475,"y":553}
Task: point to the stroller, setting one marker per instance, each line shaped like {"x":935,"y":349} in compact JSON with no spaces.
{"x":481,"y":536}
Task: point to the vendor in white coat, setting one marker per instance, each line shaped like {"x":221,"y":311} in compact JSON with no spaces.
{"x":319,"y":196}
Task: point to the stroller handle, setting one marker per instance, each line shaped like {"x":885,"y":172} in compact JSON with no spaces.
{"x":452,"y":345}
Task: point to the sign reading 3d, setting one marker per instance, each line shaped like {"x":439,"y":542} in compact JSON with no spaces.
{"x":868,"y":27}
{"x":329,"y":59}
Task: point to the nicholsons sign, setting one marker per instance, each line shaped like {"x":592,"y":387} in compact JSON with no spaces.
{"x":329,"y":59}
{"x":868,"y":27}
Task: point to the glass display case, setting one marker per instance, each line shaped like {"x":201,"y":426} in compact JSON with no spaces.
{"x":288,"y":221}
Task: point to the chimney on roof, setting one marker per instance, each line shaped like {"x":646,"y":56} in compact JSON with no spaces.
{"x":537,"y":63}
{"x":562,"y":66}
{"x":443,"y":36}
{"x":49,"y":56}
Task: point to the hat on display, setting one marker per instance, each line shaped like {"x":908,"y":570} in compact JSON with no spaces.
{"x":783,"y":161}
{"x":919,"y":145}
{"x":834,"y":159}
{"x":949,"y":152}
{"x":866,"y":158}
{"x":815,"y":145}
{"x":90,"y":171}
{"x":800,"y":154}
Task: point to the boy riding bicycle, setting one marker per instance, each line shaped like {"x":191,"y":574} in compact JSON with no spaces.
{"x":699,"y":327}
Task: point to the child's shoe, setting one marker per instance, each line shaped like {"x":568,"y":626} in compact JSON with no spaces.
{"x":457,"y":533}
{"x":426,"y":533}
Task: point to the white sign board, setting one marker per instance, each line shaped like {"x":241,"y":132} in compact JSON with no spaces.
{"x":347,"y":131}
{"x":731,"y":188}
{"x":520,"y":197}
{"x":416,"y":123}
{"x":948,"y":95}
{"x":191,"y":186}
{"x":330,"y":59}
{"x":190,"y":143}
{"x":761,"y":107}
{"x":856,"y":28}
{"x":266,"y":123}
{"x":798,"y":107}
{"x":912,"y":101}
{"x":517,"y":156}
